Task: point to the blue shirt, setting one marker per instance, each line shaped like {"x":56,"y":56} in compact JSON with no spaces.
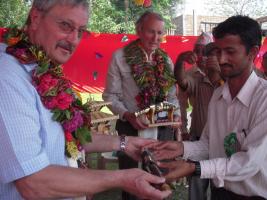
{"x":29,"y":139}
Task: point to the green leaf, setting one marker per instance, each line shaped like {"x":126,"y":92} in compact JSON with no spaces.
{"x":68,"y":114}
{"x":56,"y":115}
{"x":78,"y":102}
{"x":84,"y":135}
{"x":42,"y":69}
{"x":69,"y":91}
{"x":52,"y":92}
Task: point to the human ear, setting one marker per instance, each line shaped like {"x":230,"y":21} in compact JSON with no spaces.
{"x":35,"y":17}
{"x":253,"y":52}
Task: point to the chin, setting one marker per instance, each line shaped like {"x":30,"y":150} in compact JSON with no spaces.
{"x":61,"y":60}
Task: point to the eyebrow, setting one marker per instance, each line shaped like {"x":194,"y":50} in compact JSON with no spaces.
{"x":73,"y":23}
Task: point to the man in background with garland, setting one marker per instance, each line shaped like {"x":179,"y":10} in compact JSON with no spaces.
{"x":140,"y":75}
{"x":38,"y":108}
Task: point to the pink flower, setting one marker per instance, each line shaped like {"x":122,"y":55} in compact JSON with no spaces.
{"x":75,"y":122}
{"x":47,"y":82}
{"x":147,"y":3}
{"x":64,"y":84}
{"x":50,"y":102}
{"x":64,"y":100}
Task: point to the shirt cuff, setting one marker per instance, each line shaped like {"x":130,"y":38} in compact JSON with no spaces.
{"x":207,"y":169}
{"x":189,"y":150}
{"x":35,"y":164}
{"x":214,"y":169}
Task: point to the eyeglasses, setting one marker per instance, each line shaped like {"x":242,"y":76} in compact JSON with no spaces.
{"x":68,"y":28}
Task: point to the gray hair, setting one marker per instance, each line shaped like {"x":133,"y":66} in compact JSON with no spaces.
{"x":46,"y":5}
{"x":144,"y":16}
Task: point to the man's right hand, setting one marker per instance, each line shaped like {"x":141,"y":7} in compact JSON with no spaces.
{"x":134,"y":121}
{"x":166,"y":150}
{"x":188,"y":56}
{"x":139,"y":183}
{"x":179,"y":72}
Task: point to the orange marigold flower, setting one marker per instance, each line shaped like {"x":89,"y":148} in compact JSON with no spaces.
{"x":12,"y":41}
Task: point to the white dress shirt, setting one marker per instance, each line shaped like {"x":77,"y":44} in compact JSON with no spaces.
{"x":245,"y":172}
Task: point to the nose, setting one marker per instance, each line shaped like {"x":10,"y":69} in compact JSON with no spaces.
{"x":156,"y":37}
{"x":222,"y":57}
{"x":74,"y":37}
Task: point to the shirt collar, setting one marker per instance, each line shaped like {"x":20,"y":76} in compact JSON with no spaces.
{"x":149,"y":57}
{"x":245,"y":93}
{"x":29,"y":67}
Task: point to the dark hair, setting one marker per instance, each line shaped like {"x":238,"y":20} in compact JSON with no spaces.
{"x":139,"y":23}
{"x":246,"y":28}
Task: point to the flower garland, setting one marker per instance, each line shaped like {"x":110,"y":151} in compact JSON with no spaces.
{"x":154,"y":79}
{"x":54,"y":89}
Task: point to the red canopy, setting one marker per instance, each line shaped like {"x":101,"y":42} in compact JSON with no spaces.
{"x":89,"y":65}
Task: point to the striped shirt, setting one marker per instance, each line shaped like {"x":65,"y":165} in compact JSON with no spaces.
{"x":29,"y":139}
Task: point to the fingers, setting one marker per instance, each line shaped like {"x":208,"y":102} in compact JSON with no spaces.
{"x":153,"y":146}
{"x":191,"y":58}
{"x":152,"y":192}
{"x":141,"y":126}
{"x":188,"y":56}
{"x":162,"y":155}
{"x":212,"y":63}
{"x":168,"y":165}
{"x":172,"y":176}
{"x":134,"y":121}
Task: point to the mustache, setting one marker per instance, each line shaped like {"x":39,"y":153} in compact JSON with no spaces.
{"x":66,"y":45}
{"x":226,"y":65}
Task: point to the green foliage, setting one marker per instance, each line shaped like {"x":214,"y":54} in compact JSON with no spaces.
{"x":253,"y":8}
{"x":119,"y":16}
{"x":83,"y":134}
{"x":110,"y":16}
{"x":13,"y":12}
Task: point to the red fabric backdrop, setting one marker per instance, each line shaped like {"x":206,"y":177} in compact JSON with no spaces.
{"x":95,"y":50}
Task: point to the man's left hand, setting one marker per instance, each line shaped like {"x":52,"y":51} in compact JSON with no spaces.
{"x":134,"y":146}
{"x":177,"y":169}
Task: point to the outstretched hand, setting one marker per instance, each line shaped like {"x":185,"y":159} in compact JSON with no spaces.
{"x":166,"y":150}
{"x":134,"y":146}
{"x":188,"y":56}
{"x":139,"y":183}
{"x":177,"y":169}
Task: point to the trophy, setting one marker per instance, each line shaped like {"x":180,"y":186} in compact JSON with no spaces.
{"x":149,"y":164}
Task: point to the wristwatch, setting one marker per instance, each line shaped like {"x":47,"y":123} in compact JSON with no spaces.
{"x":197,"y":171}
{"x":122,"y":142}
